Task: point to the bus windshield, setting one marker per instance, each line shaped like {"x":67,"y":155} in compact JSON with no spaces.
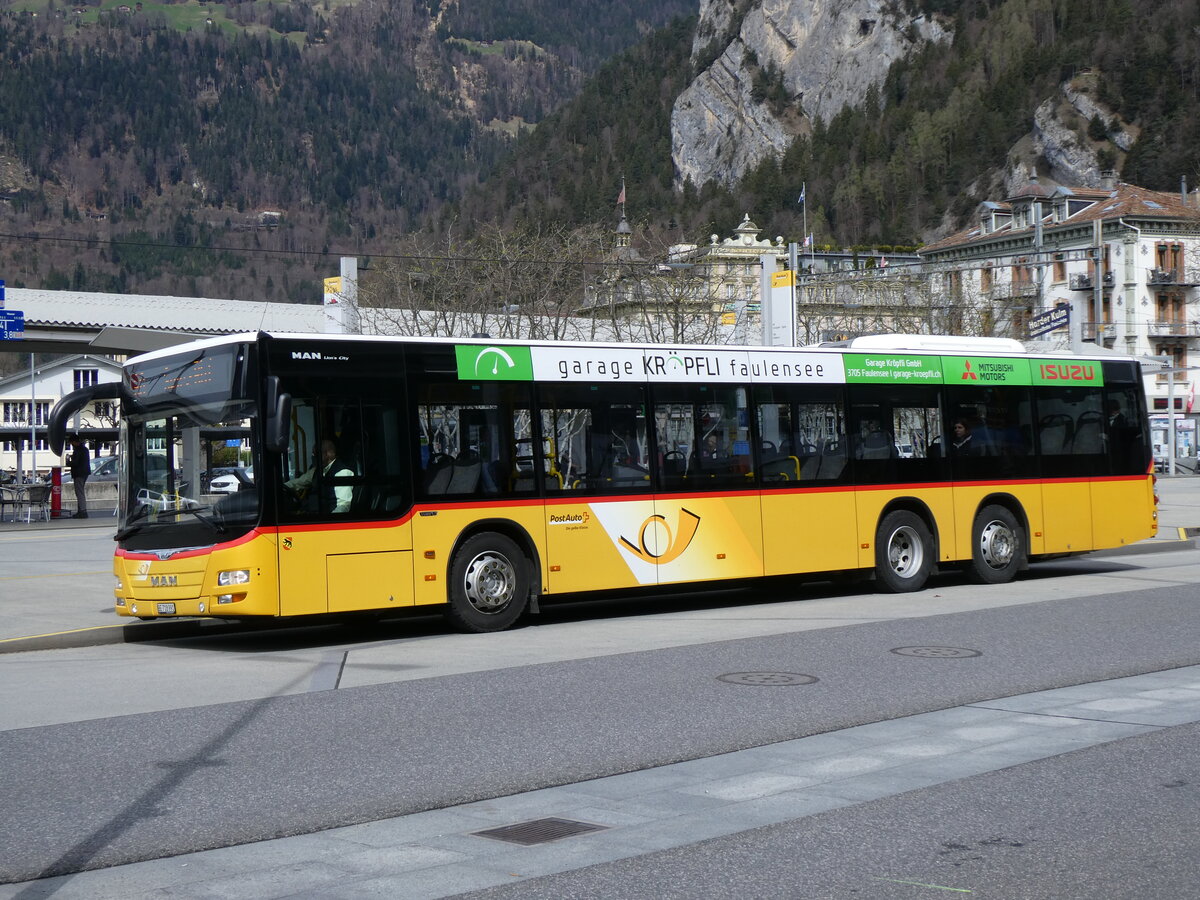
{"x":167,"y":498}
{"x":189,"y":421}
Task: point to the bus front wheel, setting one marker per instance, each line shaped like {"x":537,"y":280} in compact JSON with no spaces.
{"x":489,"y":584}
{"x":903,"y":552}
{"x":997,"y":546}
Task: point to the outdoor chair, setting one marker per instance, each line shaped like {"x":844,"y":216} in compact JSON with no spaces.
{"x":35,"y":500}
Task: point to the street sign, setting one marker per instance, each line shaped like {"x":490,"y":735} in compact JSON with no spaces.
{"x":1049,"y":320}
{"x":12,"y":325}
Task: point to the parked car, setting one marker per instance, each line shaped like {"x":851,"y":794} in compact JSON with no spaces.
{"x":104,"y":468}
{"x":231,"y":480}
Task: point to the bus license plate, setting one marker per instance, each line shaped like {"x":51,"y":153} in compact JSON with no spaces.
{"x":166,"y":609}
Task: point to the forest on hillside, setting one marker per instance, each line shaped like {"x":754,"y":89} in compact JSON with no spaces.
{"x":241,"y":157}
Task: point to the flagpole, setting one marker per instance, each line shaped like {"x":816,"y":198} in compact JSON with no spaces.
{"x":804,"y":210}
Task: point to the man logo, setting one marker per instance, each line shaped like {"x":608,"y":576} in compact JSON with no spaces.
{"x":655,"y":533}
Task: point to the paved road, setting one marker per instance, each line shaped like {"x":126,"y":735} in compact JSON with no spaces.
{"x":389,"y":748}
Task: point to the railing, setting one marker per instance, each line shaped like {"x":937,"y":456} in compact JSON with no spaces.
{"x":1012,"y":290}
{"x":1087,"y":283}
{"x":1173,"y":329}
{"x":1172,"y":277}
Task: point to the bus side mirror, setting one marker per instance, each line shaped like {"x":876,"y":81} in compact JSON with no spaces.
{"x":278,"y":409}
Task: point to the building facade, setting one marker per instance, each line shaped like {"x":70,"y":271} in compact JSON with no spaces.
{"x":1116,"y":267}
{"x":26,"y":399}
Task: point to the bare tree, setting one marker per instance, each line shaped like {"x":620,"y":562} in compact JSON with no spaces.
{"x":528,"y":283}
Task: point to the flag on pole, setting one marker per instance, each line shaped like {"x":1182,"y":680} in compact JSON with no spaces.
{"x":802,"y":189}
{"x":808,"y":240}
{"x":621,"y":196}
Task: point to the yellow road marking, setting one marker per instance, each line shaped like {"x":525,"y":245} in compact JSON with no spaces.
{"x":59,"y":633}
{"x":53,"y":575}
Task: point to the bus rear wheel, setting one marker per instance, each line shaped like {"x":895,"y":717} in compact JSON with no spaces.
{"x":997,"y":546}
{"x":903,"y":552}
{"x":489,"y":584}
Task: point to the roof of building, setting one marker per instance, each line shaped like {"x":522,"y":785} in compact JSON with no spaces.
{"x":193,"y":314}
{"x":1125,"y":200}
{"x":74,"y":361}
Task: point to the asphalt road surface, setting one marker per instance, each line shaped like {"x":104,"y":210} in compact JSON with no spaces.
{"x":125,"y":753}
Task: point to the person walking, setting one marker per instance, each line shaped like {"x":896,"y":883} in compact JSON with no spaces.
{"x":81,"y":468}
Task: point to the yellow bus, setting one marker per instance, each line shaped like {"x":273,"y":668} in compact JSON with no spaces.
{"x":485,"y":476}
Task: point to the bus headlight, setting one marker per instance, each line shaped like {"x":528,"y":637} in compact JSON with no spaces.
{"x":233,"y":576}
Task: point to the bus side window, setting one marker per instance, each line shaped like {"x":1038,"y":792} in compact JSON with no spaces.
{"x":1125,"y":437}
{"x":1071,"y":431}
{"x":594,"y":439}
{"x":474,"y":439}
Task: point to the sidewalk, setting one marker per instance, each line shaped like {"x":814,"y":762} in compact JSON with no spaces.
{"x":52,"y":608}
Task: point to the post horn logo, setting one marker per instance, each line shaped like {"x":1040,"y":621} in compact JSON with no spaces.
{"x":646,"y":549}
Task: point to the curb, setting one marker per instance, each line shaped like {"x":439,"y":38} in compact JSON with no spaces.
{"x":101,"y":635}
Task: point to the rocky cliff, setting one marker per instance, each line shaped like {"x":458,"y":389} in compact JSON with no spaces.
{"x":775,"y":66}
{"x":1063,"y":144}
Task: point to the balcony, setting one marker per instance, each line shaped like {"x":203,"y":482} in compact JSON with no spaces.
{"x":1173,"y":329}
{"x":1172,"y":278}
{"x":1013,"y":290}
{"x":1087,"y":283}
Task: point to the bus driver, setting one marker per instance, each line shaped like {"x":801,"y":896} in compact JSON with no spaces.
{"x":335,"y":497}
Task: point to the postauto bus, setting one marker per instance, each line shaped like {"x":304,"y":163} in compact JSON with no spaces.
{"x":484,"y":477}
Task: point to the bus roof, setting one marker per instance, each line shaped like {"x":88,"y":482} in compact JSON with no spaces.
{"x":952,"y":345}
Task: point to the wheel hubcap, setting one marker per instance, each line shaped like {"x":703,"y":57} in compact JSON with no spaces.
{"x":997,"y":544}
{"x":905,"y":552}
{"x":490,"y":582}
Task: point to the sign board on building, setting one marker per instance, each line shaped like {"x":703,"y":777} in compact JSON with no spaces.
{"x":1050,"y":320}
{"x":12,"y":325}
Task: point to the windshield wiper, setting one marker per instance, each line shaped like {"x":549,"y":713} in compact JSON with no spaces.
{"x":216,"y":526}
{"x":144,"y":510}
{"x":140,"y":513}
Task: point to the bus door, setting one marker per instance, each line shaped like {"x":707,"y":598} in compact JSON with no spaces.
{"x":343,"y":481}
{"x":808,"y":509}
{"x":707,"y":522}
{"x":599,"y":503}
{"x":1070,"y":434}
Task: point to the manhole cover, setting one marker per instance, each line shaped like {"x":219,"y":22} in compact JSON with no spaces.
{"x":937,"y":652}
{"x":767,"y":679}
{"x":539,"y":831}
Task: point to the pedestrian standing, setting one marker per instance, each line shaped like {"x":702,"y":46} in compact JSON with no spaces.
{"x":81,"y":468}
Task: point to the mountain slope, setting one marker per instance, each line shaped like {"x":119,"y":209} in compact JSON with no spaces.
{"x":341,"y":125}
{"x":948,"y":125}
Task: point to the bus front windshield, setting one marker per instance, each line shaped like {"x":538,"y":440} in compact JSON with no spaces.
{"x":187,"y":478}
